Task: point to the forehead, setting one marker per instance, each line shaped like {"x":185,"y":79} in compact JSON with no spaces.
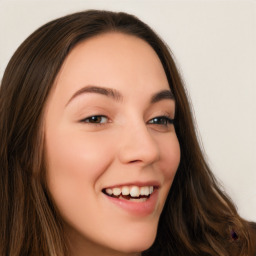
{"x":114,"y":60}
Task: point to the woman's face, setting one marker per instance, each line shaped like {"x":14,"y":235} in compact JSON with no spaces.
{"x":108,"y":127}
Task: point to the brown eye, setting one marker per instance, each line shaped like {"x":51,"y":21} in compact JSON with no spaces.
{"x":95,"y":119}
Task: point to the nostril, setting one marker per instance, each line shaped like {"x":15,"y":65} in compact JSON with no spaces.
{"x":134,"y":161}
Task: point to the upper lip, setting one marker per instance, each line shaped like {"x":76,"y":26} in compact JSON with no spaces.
{"x":155,"y":184}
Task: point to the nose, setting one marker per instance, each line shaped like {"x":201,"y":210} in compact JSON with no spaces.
{"x":138,"y":145}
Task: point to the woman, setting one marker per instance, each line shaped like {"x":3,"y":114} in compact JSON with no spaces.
{"x":99,"y":154}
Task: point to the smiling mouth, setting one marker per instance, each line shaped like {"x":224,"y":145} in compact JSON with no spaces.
{"x":130,"y":193}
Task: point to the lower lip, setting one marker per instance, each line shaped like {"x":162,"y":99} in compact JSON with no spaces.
{"x":137,"y":208}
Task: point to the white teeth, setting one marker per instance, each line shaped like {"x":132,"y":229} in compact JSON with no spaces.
{"x":133,"y":191}
{"x":116,"y":191}
{"x":109,"y":191}
{"x":125,"y":191}
{"x":144,"y":191}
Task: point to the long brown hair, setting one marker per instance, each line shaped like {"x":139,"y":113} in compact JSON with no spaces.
{"x":198,"y":218}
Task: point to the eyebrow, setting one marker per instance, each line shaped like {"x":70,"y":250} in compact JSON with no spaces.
{"x":162,"y":95}
{"x":112,"y":93}
{"x":117,"y":96}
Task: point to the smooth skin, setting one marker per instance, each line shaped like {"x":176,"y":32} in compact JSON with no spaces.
{"x":97,"y":138}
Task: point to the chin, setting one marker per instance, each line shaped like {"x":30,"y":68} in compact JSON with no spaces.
{"x":137,"y":242}
{"x":137,"y":247}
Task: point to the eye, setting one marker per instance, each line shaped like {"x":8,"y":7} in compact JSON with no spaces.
{"x":98,"y":119}
{"x":161,"y":120}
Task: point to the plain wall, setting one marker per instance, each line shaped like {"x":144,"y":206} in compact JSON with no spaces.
{"x":214,"y":46}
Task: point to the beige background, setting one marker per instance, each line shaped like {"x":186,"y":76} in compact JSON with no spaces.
{"x":214,"y":44}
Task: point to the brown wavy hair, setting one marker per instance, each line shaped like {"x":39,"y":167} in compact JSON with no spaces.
{"x":198,"y":218}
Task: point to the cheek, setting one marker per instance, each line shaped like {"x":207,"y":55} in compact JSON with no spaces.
{"x":74,"y":163}
{"x":76,"y":152}
{"x":170,"y":159}
{"x":170,"y":154}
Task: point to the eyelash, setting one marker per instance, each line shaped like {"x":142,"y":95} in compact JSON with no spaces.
{"x":165,"y":120}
